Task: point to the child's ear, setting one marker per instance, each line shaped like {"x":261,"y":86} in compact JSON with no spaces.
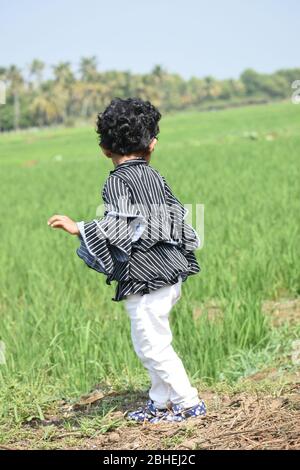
{"x":152,"y":144}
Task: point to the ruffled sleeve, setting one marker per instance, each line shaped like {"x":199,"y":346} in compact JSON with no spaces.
{"x":109,"y":239}
{"x":184,"y":234}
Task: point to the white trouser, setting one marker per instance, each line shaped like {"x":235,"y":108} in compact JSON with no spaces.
{"x":151,"y":336}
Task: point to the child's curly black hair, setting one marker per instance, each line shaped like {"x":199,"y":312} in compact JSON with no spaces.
{"x":127,"y":126}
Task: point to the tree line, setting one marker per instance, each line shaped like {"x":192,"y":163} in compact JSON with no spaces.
{"x":70,"y":96}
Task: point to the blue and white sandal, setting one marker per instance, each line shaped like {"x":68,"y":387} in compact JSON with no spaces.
{"x":179,"y":413}
{"x":148,"y":413}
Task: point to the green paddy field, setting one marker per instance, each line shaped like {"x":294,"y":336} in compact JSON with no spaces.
{"x":64,"y":336}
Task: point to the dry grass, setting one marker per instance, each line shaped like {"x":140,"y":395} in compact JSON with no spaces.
{"x":242,"y":420}
{"x":284,"y":310}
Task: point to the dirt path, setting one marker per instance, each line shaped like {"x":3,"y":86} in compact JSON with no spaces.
{"x":234,"y":421}
{"x":242,"y":421}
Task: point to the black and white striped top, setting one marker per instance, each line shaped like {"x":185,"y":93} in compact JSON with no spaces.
{"x":142,"y":241}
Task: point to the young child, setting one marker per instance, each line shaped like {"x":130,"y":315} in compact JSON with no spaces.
{"x":144,"y":244}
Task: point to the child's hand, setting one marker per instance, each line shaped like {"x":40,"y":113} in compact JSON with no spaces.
{"x":64,"y":222}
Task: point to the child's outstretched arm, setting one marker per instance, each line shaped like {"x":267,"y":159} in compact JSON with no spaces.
{"x":64,"y":222}
{"x":104,"y":240}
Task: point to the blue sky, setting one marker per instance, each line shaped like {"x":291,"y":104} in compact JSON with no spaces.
{"x":190,"y":37}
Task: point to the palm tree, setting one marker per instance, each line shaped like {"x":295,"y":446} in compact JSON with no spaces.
{"x":2,"y":88}
{"x":213,"y":87}
{"x":2,"y":84}
{"x":15,"y":80}
{"x":44,"y":109}
{"x":64,"y":81}
{"x":63,"y":73}
{"x":89,"y":98}
{"x":88,"y":69}
{"x":36,"y":69}
{"x":158,"y":72}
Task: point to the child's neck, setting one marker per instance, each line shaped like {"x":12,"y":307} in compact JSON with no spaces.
{"x":118,"y":159}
